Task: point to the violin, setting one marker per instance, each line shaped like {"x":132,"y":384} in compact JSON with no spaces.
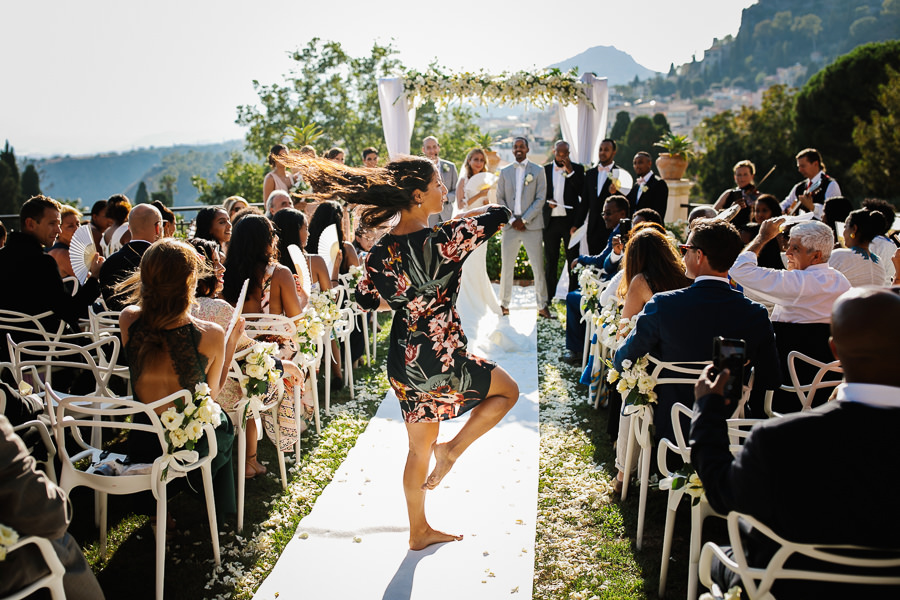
{"x":749,"y":194}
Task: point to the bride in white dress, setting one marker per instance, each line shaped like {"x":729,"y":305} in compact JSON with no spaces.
{"x":477,"y":303}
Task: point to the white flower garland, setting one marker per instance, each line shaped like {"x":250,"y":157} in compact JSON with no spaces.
{"x":541,"y":88}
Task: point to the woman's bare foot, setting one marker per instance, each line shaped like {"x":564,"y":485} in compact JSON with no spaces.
{"x":443,"y":464}
{"x":429,"y":536}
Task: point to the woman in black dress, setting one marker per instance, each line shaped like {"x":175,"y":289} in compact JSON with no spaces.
{"x":415,"y":269}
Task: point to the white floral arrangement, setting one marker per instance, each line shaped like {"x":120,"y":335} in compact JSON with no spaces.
{"x":626,"y":326}
{"x":325,"y":307}
{"x":634,"y":383}
{"x":8,"y":537}
{"x":541,"y":88}
{"x":300,"y":188}
{"x":259,"y":371}
{"x":591,"y":286}
{"x":529,"y":178}
{"x":733,"y":593}
{"x":309,"y":330}
{"x":686,"y":477}
{"x":183,"y":423}
{"x":607,"y":321}
{"x":355,"y":275}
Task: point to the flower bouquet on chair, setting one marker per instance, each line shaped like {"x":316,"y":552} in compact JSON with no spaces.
{"x":184,"y":423}
{"x":634,"y":383}
{"x":260,"y":370}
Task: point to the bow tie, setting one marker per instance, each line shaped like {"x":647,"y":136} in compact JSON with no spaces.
{"x":603,"y":169}
{"x":520,"y":165}
{"x":559,"y":169}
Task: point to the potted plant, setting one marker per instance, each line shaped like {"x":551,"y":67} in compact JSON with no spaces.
{"x":674,"y":161}
{"x":484,"y":142}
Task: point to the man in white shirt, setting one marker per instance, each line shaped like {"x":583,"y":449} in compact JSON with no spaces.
{"x":449,"y":176}
{"x":803,"y":295}
{"x":811,"y":193}
{"x":523,"y":189}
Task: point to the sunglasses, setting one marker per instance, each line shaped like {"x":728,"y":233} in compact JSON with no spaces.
{"x":685,"y":247}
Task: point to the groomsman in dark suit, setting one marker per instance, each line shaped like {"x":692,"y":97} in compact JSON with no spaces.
{"x":680,"y":325}
{"x":565,"y":182}
{"x":449,"y":176}
{"x":650,"y":190}
{"x":597,"y":188}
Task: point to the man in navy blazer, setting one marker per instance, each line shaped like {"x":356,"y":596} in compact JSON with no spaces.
{"x":679,"y":326}
{"x":649,"y":191}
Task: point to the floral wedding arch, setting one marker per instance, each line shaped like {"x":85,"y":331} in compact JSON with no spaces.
{"x":582,"y":102}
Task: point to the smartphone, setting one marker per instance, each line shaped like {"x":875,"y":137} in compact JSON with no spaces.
{"x":624,"y":228}
{"x":731,"y":354}
{"x":896,"y":238}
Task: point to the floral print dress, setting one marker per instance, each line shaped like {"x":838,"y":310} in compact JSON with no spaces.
{"x":418,"y":274}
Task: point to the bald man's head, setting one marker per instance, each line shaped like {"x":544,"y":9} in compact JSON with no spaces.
{"x":145,"y":223}
{"x":865,"y":329}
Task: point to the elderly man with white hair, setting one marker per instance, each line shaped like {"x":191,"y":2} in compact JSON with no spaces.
{"x":276,"y":201}
{"x":803,"y":295}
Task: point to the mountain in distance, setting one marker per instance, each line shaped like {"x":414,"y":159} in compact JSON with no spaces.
{"x":607,"y":61}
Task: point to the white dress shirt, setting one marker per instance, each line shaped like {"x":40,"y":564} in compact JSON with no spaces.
{"x":799,"y":296}
{"x":883,"y":396}
{"x":559,"y":189}
{"x":521,"y":168}
{"x":603,"y":175}
{"x":858,"y":268}
{"x":831,"y":191}
{"x":640,"y":183}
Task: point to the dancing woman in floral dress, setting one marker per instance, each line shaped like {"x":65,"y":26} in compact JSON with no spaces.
{"x":415,"y":270}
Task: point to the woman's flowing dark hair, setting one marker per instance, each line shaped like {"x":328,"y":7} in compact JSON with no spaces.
{"x":164,"y":288}
{"x":289,"y":221}
{"x":650,"y":253}
{"x":204,"y":221}
{"x":382,"y":191}
{"x":327,"y":213}
{"x":206,"y":283}
{"x":249,"y":253}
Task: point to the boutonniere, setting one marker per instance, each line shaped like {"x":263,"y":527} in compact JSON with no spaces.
{"x":643,"y":188}
{"x":445,"y":167}
{"x":529,"y":178}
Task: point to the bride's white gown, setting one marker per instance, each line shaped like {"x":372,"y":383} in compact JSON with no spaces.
{"x":479,"y":310}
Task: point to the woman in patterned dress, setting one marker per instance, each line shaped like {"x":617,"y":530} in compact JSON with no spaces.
{"x":415,"y":270}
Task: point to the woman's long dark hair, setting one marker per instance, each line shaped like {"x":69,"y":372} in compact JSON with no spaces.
{"x":249,"y":253}
{"x":327,"y":213}
{"x":383,"y":191}
{"x":650,"y":253}
{"x":206,"y":284}
{"x":204,"y":221}
{"x":289,"y":221}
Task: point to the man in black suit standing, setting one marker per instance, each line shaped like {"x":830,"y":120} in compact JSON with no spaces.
{"x":650,"y":190}
{"x":680,"y":325}
{"x":565,"y":182}
{"x":146,"y":226}
{"x":780,"y":475}
{"x":597,"y":188}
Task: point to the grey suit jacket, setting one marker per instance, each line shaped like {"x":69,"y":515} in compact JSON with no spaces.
{"x":449,"y":176}
{"x":534,"y":194}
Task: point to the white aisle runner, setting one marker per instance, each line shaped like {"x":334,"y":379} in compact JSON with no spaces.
{"x":354,"y":543}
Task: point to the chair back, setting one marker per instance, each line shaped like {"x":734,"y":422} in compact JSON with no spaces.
{"x":40,"y":358}
{"x":104,"y":323}
{"x":869,"y":566}
{"x":53,"y":580}
{"x":806,"y":393}
{"x":29,"y":326}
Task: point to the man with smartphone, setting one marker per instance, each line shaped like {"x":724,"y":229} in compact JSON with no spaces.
{"x":790,"y":466}
{"x":680,"y":325}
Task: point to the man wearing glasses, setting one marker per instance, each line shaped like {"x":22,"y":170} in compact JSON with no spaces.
{"x":680,"y":325}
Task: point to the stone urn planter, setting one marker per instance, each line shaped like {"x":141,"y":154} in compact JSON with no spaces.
{"x":493,"y":160}
{"x":673,"y":162}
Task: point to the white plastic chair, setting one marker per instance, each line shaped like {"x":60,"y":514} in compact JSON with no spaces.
{"x":358,"y":312}
{"x":53,"y":580}
{"x":32,"y":326}
{"x":73,"y":281}
{"x":758,"y":581}
{"x":48,"y":464}
{"x":806,"y":393}
{"x":84,"y":411}
{"x":738,"y":430}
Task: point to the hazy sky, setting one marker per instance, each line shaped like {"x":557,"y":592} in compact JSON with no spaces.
{"x":90,"y":76}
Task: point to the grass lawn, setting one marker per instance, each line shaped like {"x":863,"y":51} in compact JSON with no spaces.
{"x":584,"y":546}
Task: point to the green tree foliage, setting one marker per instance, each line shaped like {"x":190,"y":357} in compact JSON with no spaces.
{"x":167,"y":183}
{"x":10,"y":190}
{"x":878,"y":140}
{"x":641,"y":135}
{"x":764,"y":136}
{"x":455,"y":130}
{"x":828,"y":104}
{"x":31,"y":182}
{"x":142,"y":196}
{"x":238,"y":177}
{"x":620,"y":127}
{"x":661,"y":123}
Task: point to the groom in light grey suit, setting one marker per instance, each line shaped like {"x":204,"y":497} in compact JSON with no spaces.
{"x":523,"y":189}
{"x":449,"y":176}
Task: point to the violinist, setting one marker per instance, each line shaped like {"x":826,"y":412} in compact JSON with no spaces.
{"x":744,"y":194}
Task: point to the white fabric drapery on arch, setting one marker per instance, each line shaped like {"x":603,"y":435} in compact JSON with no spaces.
{"x":584,"y":141}
{"x":397,"y":115}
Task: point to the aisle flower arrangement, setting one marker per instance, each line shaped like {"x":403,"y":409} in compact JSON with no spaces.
{"x":633,"y":383}
{"x":355,"y":274}
{"x":260,"y":370}
{"x":591,"y":287}
{"x":541,"y":88}
{"x":325,"y":308}
{"x":183,"y":423}
{"x":686,"y":477}
{"x":309,"y":330}
{"x":8,"y":537}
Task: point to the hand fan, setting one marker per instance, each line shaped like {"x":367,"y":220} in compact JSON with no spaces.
{"x":578,"y":235}
{"x":301,"y":267}
{"x":82,"y":252}
{"x":622,"y":180}
{"x":329,"y":246}
{"x":479,"y":182}
{"x":729,"y":213}
{"x":238,"y":309}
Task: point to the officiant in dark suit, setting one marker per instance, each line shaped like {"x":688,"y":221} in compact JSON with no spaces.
{"x":680,"y":325}
{"x":565,"y":183}
{"x":780,"y":476}
{"x":146,"y":226}
{"x":597,"y":188}
{"x":650,"y":190}
{"x":449,"y":176}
